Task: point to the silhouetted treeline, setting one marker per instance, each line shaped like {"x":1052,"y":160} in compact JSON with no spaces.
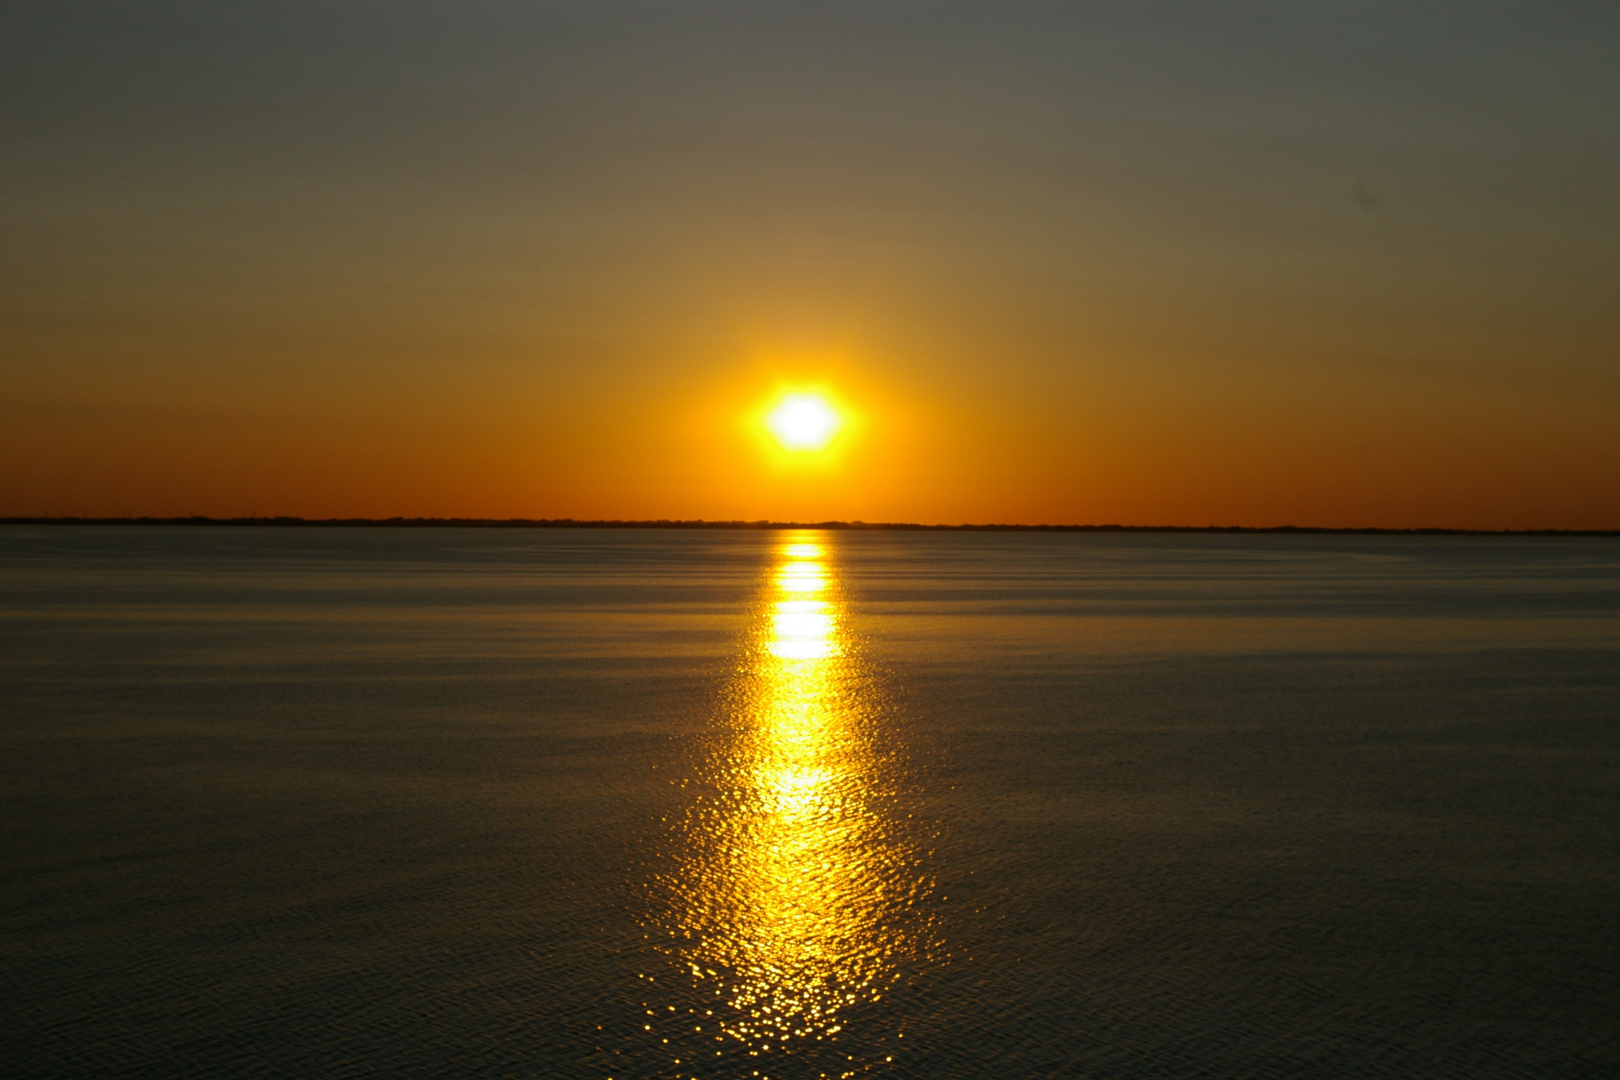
{"x":665,"y":523}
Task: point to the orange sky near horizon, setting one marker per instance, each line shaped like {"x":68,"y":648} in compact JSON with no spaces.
{"x":1129,"y":264}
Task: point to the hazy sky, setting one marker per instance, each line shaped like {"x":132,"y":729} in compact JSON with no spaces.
{"x":1187,"y":263}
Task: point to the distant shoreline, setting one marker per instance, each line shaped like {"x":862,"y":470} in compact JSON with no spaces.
{"x":571,"y":523}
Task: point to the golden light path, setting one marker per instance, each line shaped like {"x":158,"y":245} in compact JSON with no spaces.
{"x":795,"y":897}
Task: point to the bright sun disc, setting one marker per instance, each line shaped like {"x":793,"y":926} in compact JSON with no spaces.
{"x":803,"y":422}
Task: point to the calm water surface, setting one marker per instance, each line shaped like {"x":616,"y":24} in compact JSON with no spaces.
{"x":582,"y":803}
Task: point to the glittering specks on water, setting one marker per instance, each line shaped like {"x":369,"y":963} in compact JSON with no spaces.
{"x":794,"y":893}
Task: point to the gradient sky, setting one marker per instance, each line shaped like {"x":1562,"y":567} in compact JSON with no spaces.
{"x":1155,"y":263}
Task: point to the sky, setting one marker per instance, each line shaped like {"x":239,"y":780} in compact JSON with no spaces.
{"x":1229,"y":263}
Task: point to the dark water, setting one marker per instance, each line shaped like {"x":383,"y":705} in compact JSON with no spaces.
{"x":327,"y":803}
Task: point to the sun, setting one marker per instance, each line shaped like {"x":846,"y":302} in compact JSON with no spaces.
{"x":804,"y":422}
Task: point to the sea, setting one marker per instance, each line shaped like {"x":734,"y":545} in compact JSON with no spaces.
{"x":624,"y":804}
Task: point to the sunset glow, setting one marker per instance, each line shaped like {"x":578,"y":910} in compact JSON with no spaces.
{"x":825,"y":541}
{"x":1079,"y":270}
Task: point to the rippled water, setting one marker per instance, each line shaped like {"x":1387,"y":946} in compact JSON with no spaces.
{"x":795,"y":892}
{"x":733,"y":804}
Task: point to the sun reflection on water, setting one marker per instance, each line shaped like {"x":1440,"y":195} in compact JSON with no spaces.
{"x":794,"y":898}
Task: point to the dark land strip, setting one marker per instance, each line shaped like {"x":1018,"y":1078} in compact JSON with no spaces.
{"x":572,"y":523}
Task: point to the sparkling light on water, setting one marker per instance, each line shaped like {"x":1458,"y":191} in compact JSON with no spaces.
{"x":795,"y":897}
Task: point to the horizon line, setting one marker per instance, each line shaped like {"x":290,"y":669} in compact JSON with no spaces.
{"x":699,"y":523}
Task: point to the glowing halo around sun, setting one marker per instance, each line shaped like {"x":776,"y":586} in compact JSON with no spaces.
{"x":804,"y":422}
